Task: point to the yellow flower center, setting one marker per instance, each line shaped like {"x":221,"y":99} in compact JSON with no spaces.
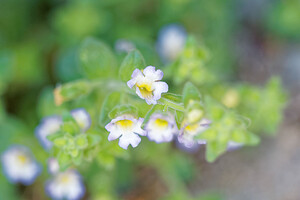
{"x":64,"y":178}
{"x":161,"y":123}
{"x":146,"y":90}
{"x":191,"y":127}
{"x":22,"y":159}
{"x":125,"y":123}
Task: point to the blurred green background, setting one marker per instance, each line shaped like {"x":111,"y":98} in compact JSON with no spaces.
{"x":247,"y":40}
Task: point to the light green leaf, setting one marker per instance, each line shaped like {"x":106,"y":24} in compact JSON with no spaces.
{"x":214,"y":149}
{"x":97,"y":59}
{"x":93,"y":138}
{"x":122,"y":109}
{"x":109,"y":103}
{"x":71,"y":91}
{"x":81,"y":141}
{"x":190,"y":93}
{"x":60,"y":142}
{"x":134,"y":60}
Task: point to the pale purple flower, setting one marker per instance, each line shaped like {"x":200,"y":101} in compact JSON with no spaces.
{"x":189,"y":131}
{"x":53,"y":166}
{"x":231,"y":146}
{"x":19,"y":165}
{"x":148,"y":84}
{"x":66,"y":185}
{"x":82,"y":118}
{"x":161,"y":128}
{"x":123,"y":45}
{"x":171,"y":41}
{"x":126,"y":128}
{"x":49,"y":125}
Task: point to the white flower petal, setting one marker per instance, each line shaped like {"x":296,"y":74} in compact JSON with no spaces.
{"x":138,"y":127}
{"x":153,"y":75}
{"x":129,"y":138}
{"x":114,"y":135}
{"x":160,"y":87}
{"x":162,"y":130}
{"x":136,"y":75}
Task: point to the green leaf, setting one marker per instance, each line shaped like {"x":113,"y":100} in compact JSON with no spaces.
{"x":122,"y":109}
{"x":155,"y":108}
{"x":173,"y":97}
{"x":214,"y":149}
{"x":208,"y":135}
{"x":54,"y":136}
{"x":93,"y":138}
{"x":64,"y":160}
{"x":73,"y":152}
{"x":60,"y":142}
{"x":134,"y":60}
{"x":78,"y":159}
{"x":106,"y":160}
{"x":190,"y":94}
{"x":81,"y":141}
{"x":109,"y":103}
{"x":71,"y":91}
{"x":97,"y":59}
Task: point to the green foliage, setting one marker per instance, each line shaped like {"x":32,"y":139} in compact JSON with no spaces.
{"x":97,"y":59}
{"x":264,"y":106}
{"x":108,"y":104}
{"x":283,"y":19}
{"x":226,"y":127}
{"x":134,"y":60}
{"x":68,"y":45}
{"x":191,"y":65}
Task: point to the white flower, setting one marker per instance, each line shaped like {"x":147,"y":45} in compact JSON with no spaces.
{"x":53,"y":166}
{"x":231,"y":146}
{"x":171,"y":41}
{"x":126,"y":128}
{"x":148,"y":84}
{"x":189,"y":131}
{"x":161,"y":128}
{"x":48,"y":126}
{"x":122,"y":45}
{"x":66,"y":185}
{"x":82,"y":118}
{"x":19,"y":165}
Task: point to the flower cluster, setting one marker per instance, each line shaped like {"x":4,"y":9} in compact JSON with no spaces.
{"x":161,"y":126}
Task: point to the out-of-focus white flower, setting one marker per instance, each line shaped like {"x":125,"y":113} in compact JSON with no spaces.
{"x":122,"y":45}
{"x":171,"y":41}
{"x":66,"y":185}
{"x":82,"y":118}
{"x":48,"y":126}
{"x":126,"y":128}
{"x":189,"y":131}
{"x":19,"y":165}
{"x":231,"y":146}
{"x":148,"y":84}
{"x":53,"y":166}
{"x":161,"y":128}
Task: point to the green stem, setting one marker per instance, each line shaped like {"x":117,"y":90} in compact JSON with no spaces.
{"x":171,"y":104}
